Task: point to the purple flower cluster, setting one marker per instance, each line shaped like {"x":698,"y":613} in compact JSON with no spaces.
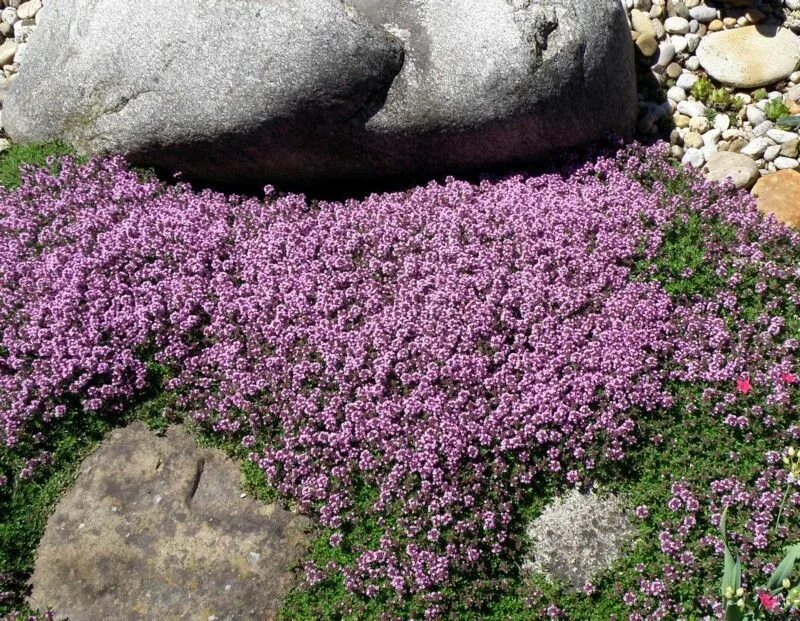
{"x":442,"y":346}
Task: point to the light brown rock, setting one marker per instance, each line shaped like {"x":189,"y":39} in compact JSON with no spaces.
{"x":737,"y":144}
{"x":693,"y":140}
{"x":740,"y":169}
{"x":7,"y":51}
{"x":750,"y":57}
{"x":791,"y":148}
{"x":674,"y":71}
{"x":29,"y":9}
{"x":681,"y":120}
{"x":647,"y":44}
{"x":779,"y":194}
{"x":792,"y":99}
{"x":641,"y":22}
{"x":156,"y":528}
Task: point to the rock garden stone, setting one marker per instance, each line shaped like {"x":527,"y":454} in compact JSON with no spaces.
{"x":791,"y":148}
{"x":676,"y":94}
{"x":647,"y":44}
{"x":693,"y":140}
{"x":781,"y":136}
{"x":157,"y":528}
{"x":779,"y":194}
{"x":680,"y":43}
{"x":786,"y":163}
{"x":641,"y":22}
{"x":577,"y":536}
{"x":7,"y":52}
{"x":691,"y":108}
{"x":757,"y":147}
{"x":322,"y":90}
{"x":686,"y":81}
{"x":772,"y":153}
{"x":792,"y":100}
{"x":755,"y":116}
{"x":693,"y":158}
{"x":762,"y":128}
{"x":666,"y":52}
{"x":740,"y":169}
{"x":750,"y":57}
{"x":28,"y":10}
{"x":703,"y":13}
{"x":676,"y":25}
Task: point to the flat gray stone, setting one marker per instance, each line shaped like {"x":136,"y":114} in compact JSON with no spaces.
{"x":577,"y":536}
{"x":155,"y":528}
{"x":280,"y":90}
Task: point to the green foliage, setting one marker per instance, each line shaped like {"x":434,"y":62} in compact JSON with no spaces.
{"x":25,"y":505}
{"x":717,"y":99}
{"x":682,"y":264}
{"x":33,"y":154}
{"x":696,"y":449}
{"x":776,"y":109}
{"x":789,"y":122}
{"x":760,"y":94}
{"x":702,"y":89}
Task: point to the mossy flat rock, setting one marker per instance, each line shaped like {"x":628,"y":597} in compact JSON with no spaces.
{"x":779,"y":194}
{"x":156,"y":528}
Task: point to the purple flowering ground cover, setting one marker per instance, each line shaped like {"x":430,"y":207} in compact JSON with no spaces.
{"x":422,"y":370}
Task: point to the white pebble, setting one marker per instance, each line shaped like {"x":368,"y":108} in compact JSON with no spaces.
{"x":692,"y":63}
{"x":708,"y":150}
{"x":722,"y":122}
{"x":693,"y":157}
{"x":703,"y":13}
{"x":755,"y":116}
{"x":680,"y":43}
{"x":786,"y":163}
{"x":757,"y":147}
{"x":772,"y":152}
{"x":666,"y":52}
{"x":781,"y":135}
{"x":9,"y":15}
{"x":712,"y":137}
{"x":676,"y":94}
{"x":676,"y":25}
{"x":762,"y":128}
{"x":692,"y":108}
{"x":686,"y":81}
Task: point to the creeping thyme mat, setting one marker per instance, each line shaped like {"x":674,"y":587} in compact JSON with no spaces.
{"x":421,"y":370}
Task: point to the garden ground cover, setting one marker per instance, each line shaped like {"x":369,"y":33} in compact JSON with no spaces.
{"x":422,"y":371}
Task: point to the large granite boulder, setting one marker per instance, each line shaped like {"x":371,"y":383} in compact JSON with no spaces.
{"x":258,"y":90}
{"x":157,"y":528}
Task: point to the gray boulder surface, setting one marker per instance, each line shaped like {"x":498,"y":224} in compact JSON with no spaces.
{"x":157,"y":528}
{"x":323,"y":90}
